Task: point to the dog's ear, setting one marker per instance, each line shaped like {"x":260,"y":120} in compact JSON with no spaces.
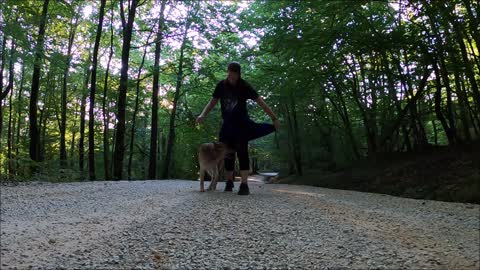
{"x":218,"y":144}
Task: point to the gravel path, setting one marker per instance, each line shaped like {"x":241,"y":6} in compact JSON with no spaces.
{"x":170,"y":225}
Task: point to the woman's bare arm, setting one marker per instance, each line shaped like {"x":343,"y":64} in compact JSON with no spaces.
{"x":269,"y":111}
{"x":207,"y":109}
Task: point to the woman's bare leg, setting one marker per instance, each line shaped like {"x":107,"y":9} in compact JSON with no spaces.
{"x":244,"y":176}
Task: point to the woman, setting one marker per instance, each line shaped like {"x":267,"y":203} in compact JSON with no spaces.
{"x":237,"y":128}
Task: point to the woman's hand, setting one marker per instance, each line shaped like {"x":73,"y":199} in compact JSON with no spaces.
{"x":200,"y":119}
{"x":276,"y":123}
{"x":267,"y":109}
{"x":206,"y":110}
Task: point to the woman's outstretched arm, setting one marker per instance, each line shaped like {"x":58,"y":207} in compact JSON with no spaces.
{"x":269,"y":111}
{"x":207,"y":109}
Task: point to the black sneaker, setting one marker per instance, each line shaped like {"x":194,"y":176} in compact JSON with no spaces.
{"x":229,"y":186}
{"x":244,"y":190}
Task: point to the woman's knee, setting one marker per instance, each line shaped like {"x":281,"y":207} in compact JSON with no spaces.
{"x":229,"y":161}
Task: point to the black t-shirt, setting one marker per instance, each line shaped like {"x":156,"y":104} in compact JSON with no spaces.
{"x":234,"y":98}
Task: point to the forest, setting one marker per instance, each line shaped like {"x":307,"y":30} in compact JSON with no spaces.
{"x":110,"y":90}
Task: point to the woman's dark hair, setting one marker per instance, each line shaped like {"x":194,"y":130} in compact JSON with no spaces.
{"x":234,"y":66}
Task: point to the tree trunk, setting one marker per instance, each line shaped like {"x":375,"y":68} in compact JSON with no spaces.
{"x":442,"y":72}
{"x":74,"y":133}
{"x":297,"y":145}
{"x":72,"y":148}
{"x":11,"y":169}
{"x":63,"y":122}
{"x":19,"y":111}
{"x":10,"y":105}
{"x":45,"y":115}
{"x":469,"y":71}
{"x":114,"y":140}
{"x":463,"y":105}
{"x":393,"y":96}
{"x":343,"y":112}
{"x":403,"y":113}
{"x":366,"y":112}
{"x":438,"y":107}
{"x":105,"y":114}
{"x":135,"y":111}
{"x":254,"y":165}
{"x":3,"y":94}
{"x":171,"y":134}
{"x":144,"y":154}
{"x":152,"y":165}
{"x":474,"y":20}
{"x":476,"y":57}
{"x":450,"y":109}
{"x":93,"y":88}
{"x":45,"y":111}
{"x":161,"y":147}
{"x":290,"y":139}
{"x":173,"y":113}
{"x":415,"y":121}
{"x":474,"y":114}
{"x":2,"y":58}
{"x":122,"y":96}
{"x":81,"y":140}
{"x":435,"y":132}
{"x":34,"y":131}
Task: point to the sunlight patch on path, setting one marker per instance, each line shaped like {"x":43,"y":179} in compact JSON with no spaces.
{"x":300,"y":193}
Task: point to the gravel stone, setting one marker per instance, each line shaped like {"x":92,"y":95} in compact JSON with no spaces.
{"x":171,"y":225}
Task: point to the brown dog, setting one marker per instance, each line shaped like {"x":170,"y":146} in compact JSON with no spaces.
{"x":210,"y":157}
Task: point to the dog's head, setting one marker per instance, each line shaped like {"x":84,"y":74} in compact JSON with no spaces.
{"x":222,"y":147}
{"x":219,"y":145}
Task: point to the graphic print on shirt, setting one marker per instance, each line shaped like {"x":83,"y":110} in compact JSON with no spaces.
{"x":229,"y":102}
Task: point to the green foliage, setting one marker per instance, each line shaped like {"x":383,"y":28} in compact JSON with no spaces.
{"x":341,"y":75}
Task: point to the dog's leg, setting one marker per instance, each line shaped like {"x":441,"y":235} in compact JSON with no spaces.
{"x":202,"y":176}
{"x":214,"y":179}
{"x":211,"y":179}
{"x":219,"y":171}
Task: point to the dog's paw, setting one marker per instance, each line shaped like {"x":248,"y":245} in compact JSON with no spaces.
{"x":202,"y":190}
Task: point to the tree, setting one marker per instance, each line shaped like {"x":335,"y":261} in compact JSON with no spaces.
{"x":9,"y":131}
{"x":105,"y":115}
{"x":171,"y":134}
{"x":63,"y":124}
{"x":34,"y":129}
{"x":152,"y":165}
{"x":120,"y":129}
{"x":135,"y":111}
{"x":93,"y":86}
{"x":83,"y":104}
